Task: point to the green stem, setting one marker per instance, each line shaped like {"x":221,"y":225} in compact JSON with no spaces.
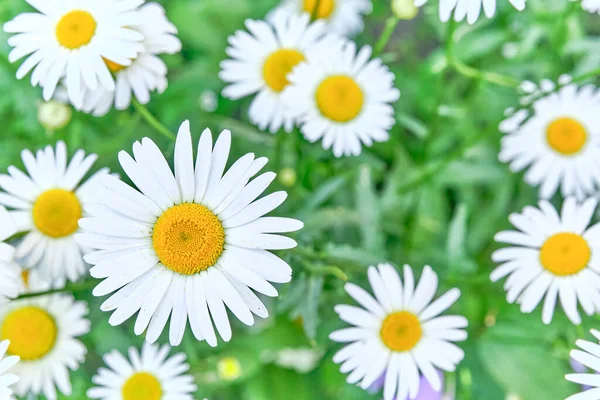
{"x":386,"y":34}
{"x":328,"y":270}
{"x":69,"y":287}
{"x":315,"y":11}
{"x":152,"y":121}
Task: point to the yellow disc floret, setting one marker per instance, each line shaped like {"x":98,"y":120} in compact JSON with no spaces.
{"x":339,"y":98}
{"x":142,"y":386}
{"x":401,"y":331}
{"x":277,"y":67}
{"x":32,"y":332}
{"x":56,"y":213}
{"x":325,"y":10}
{"x":113,"y":66}
{"x":75,"y":29}
{"x":566,"y":136}
{"x":188,"y":238}
{"x":565,"y":254}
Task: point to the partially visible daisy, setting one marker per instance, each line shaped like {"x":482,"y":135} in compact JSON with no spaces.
{"x":469,"y":9}
{"x":262,"y":60}
{"x":151,"y":375}
{"x":591,"y":6}
{"x":588,"y":356}
{"x":146,"y":73}
{"x":46,"y":204}
{"x":186,"y":245}
{"x":342,"y":97}
{"x":7,"y":379}
{"x":399,"y":332}
{"x":559,"y":143}
{"x":10,"y":279}
{"x":73,"y":38}
{"x":551,"y":256}
{"x":42,"y":332}
{"x":342,"y":16}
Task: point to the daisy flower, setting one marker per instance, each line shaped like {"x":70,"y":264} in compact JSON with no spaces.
{"x":146,"y":376}
{"x":188,"y":244}
{"x":342,"y":97}
{"x":146,"y":73}
{"x":72,"y":38}
{"x":551,"y":255}
{"x":10,"y":281}
{"x":559,"y":142}
{"x":42,"y":332}
{"x":399,"y":332}
{"x":262,"y":59}
{"x":342,"y":16}
{"x":469,"y":9}
{"x":7,"y":379}
{"x":46,"y":204}
{"x":588,"y":356}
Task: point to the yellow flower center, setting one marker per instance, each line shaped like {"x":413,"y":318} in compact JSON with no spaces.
{"x":75,"y":29}
{"x":113,"y":66}
{"x":325,"y":7}
{"x":339,"y":98}
{"x":566,"y":136}
{"x":565,"y":254}
{"x":188,"y":238}
{"x":32,"y":332}
{"x":25,"y":277}
{"x":142,"y":386}
{"x":277,"y":67}
{"x":56,"y":213}
{"x":401,"y":331}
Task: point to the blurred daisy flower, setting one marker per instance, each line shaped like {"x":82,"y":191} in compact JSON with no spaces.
{"x":399,"y":332}
{"x":7,"y":379}
{"x":469,"y":9}
{"x":146,"y":73}
{"x":587,"y":356}
{"x":342,"y":16}
{"x":189,"y":244}
{"x":10,"y":279}
{"x":341,"y":96}
{"x":262,"y":60}
{"x":46,"y":204}
{"x":551,"y":256}
{"x":42,"y":331}
{"x":591,"y":6}
{"x":74,"y":38}
{"x":151,"y":375}
{"x":559,"y":142}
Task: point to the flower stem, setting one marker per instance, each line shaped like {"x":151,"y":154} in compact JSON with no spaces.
{"x":69,"y":287}
{"x":315,"y":11}
{"x":152,"y":121}
{"x":386,"y":34}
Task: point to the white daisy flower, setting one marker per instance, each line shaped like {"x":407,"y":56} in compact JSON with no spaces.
{"x":73,"y":38}
{"x":552,"y":256}
{"x":342,"y":16}
{"x":46,"y":204}
{"x":469,"y":9}
{"x":10,"y":281}
{"x":559,"y":142}
{"x":262,"y":59}
{"x":147,"y":72}
{"x":588,"y":356}
{"x":591,"y":6}
{"x":188,"y":244}
{"x":146,"y":376}
{"x":7,"y":379}
{"x":342,"y":97}
{"x":42,"y":332}
{"x":398,"y":333}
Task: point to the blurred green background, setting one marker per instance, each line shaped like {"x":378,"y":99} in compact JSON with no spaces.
{"x":434,"y":194}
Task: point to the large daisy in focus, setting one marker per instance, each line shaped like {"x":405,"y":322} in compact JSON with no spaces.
{"x":551,"y":256}
{"x":588,"y":356}
{"x":42,"y":331}
{"x":399,"y":332}
{"x":147,"y":72}
{"x":189,"y":244}
{"x":342,"y":97}
{"x":73,"y":38}
{"x":46,"y":204}
{"x":342,"y":16}
{"x":7,"y":379}
{"x":146,"y":376}
{"x":262,"y":60}
{"x":469,"y":9}
{"x":559,"y":143}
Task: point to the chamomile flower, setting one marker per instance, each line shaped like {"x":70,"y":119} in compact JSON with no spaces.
{"x":469,"y":9}
{"x":399,"y":332}
{"x":551,"y":256}
{"x":7,"y":379}
{"x":588,"y":356}
{"x":189,"y":244}
{"x":147,"y":72}
{"x":72,"y":38}
{"x":342,"y":97}
{"x":10,"y":281}
{"x":559,"y":143}
{"x":146,"y":376}
{"x":262,"y":59}
{"x":46,"y":204}
{"x":42,"y":332}
{"x":342,"y":16}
